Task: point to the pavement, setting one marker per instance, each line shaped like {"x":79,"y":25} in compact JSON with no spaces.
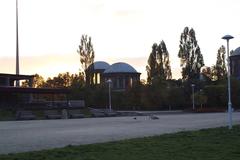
{"x":22,"y":136}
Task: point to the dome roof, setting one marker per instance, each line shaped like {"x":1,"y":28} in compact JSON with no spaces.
{"x":120,"y":68}
{"x":236,"y":52}
{"x":99,"y":65}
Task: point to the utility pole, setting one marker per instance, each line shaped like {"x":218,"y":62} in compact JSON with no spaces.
{"x":17,"y":47}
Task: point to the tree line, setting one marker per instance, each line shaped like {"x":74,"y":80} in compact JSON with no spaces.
{"x":191,"y":60}
{"x":160,"y":91}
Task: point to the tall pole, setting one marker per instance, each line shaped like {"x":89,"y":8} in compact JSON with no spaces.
{"x":229,"y":89}
{"x":109,"y":94}
{"x":228,"y":37}
{"x":17,"y":47}
{"x":193,"y":102}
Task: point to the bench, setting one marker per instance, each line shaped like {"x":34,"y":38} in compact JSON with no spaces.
{"x":25,"y":115}
{"x":110,"y":113}
{"x":52,"y":114}
{"x":97,"y":112}
{"x":76,"y":103}
{"x":103,"y":112}
{"x":75,"y":113}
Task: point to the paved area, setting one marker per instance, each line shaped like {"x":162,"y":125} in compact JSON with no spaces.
{"x":21,"y":136}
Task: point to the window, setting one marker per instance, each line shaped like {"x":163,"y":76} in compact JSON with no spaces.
{"x":98,"y":78}
{"x":131,"y":81}
{"x":121,"y":82}
{"x":94,"y":78}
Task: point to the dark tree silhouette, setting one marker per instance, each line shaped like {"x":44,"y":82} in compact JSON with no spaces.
{"x":219,"y":70}
{"x":86,"y":52}
{"x":190,"y":55}
{"x":152,"y":66}
{"x":38,"y":82}
{"x":65,"y":80}
{"x":164,"y":61}
{"x":158,"y":63}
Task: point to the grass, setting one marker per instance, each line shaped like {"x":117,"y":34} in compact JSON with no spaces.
{"x":6,"y":115}
{"x":210,"y":144}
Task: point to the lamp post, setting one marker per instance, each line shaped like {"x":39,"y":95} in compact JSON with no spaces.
{"x":193,"y":104}
{"x":17,"y":45}
{"x":109,"y":81}
{"x":228,"y":37}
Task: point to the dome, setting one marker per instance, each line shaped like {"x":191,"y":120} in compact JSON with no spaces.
{"x":99,"y":65}
{"x":120,"y":68}
{"x":236,"y":52}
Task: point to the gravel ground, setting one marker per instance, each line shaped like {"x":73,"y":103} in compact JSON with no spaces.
{"x":22,"y":136}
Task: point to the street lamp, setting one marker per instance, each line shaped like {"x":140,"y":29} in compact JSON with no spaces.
{"x":109,"y":81}
{"x":228,"y":37}
{"x":193,"y":104}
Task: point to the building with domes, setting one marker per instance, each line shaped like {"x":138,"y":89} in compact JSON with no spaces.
{"x":94,"y":73}
{"x":235,"y":63}
{"x":121,"y":74}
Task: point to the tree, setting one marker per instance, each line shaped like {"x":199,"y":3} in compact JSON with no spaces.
{"x":190,"y":55}
{"x":38,"y":82}
{"x":158,"y":63}
{"x":165,"y":64}
{"x":65,"y":80}
{"x":207,"y":73}
{"x":86,"y":52}
{"x":200,"y":98}
{"x":152,"y":67}
{"x":219,"y":69}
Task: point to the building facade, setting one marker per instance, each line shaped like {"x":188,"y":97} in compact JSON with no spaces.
{"x":94,"y":73}
{"x":121,"y":74}
{"x":235,"y":63}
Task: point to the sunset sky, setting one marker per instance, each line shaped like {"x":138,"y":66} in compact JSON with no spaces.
{"x":121,"y":30}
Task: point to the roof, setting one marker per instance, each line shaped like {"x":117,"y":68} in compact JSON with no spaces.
{"x":34,"y":90}
{"x":236,"y":52}
{"x":15,"y":76}
{"x":120,"y":67}
{"x":99,"y":65}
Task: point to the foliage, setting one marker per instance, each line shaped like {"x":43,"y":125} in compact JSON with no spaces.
{"x":235,"y":90}
{"x":38,"y":82}
{"x":158,"y":63}
{"x":217,"y":95}
{"x":219,"y":69}
{"x":176,"y":98}
{"x":65,"y":80}
{"x":190,"y":55}
{"x":208,"y":144}
{"x":86,"y":52}
{"x":95,"y":96}
{"x":207,"y":74}
{"x":7,"y":114}
{"x":159,"y":95}
{"x":152,"y":67}
{"x":200,"y":98}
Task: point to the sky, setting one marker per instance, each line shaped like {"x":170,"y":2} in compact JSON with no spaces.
{"x":121,"y":31}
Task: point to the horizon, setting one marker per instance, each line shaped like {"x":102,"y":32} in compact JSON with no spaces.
{"x":49,"y":34}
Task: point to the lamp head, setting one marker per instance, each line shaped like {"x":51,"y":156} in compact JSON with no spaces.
{"x":227,"y":37}
{"x":109,"y":81}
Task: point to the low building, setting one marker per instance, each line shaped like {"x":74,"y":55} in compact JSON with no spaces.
{"x":235,"y":63}
{"x":121,"y":74}
{"x":8,"y":80}
{"x":22,"y":97}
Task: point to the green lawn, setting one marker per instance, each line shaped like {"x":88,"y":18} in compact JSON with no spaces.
{"x":210,"y":144}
